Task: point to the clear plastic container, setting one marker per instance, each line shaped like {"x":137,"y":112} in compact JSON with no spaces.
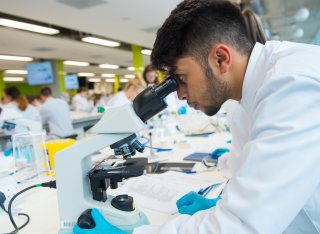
{"x":30,"y":156}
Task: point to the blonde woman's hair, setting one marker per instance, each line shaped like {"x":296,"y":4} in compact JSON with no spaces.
{"x":254,"y":26}
{"x":137,"y":83}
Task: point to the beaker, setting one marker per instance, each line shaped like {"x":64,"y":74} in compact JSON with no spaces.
{"x":30,"y":156}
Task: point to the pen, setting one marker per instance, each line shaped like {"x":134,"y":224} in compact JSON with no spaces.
{"x":190,"y":172}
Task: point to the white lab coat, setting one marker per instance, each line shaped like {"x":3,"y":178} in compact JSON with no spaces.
{"x":275,"y":183}
{"x":81,"y":104}
{"x":30,"y":112}
{"x":55,"y":112}
{"x":118,"y":99}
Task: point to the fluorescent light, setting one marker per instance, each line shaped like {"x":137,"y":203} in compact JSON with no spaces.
{"x":28,"y":27}
{"x":100,"y":41}
{"x":146,"y":52}
{"x":76,"y":63}
{"x":123,"y":80}
{"x":20,"y":72}
{"x":85,"y":74}
{"x":13,"y":79}
{"x":108,"y":75}
{"x":110,"y":80}
{"x":15,"y":58}
{"x":94,"y":79}
{"x":110,"y":66}
{"x":130,"y":68}
{"x":129,"y":76}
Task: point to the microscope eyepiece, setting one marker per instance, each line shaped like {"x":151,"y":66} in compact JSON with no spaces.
{"x":151,"y":100}
{"x":165,"y":88}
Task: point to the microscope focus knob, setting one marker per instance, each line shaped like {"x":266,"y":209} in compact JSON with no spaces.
{"x":123,"y":202}
{"x":85,"y":220}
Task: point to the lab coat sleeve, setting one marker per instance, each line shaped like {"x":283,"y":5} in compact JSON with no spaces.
{"x":44,"y":115}
{"x":279,"y":167}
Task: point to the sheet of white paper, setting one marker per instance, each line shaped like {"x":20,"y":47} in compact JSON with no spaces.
{"x":160,"y":192}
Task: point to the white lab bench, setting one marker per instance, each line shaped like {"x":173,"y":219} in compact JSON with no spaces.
{"x":42,"y":206}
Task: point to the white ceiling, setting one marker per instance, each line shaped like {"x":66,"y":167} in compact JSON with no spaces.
{"x":130,"y":21}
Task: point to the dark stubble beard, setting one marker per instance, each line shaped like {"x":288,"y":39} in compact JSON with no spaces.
{"x":217,"y":91}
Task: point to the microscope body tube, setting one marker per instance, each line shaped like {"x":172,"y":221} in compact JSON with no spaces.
{"x":151,"y":100}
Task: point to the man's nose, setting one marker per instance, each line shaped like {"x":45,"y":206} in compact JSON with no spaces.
{"x":182,"y":94}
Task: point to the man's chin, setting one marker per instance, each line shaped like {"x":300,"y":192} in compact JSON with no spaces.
{"x":210,"y":111}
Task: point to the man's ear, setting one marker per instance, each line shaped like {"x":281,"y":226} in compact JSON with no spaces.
{"x":220,"y":58}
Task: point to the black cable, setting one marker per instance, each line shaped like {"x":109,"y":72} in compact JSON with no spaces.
{"x":4,"y":209}
{"x":2,"y":200}
{"x":50,"y":184}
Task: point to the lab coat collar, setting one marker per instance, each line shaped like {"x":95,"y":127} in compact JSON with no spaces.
{"x":251,"y":81}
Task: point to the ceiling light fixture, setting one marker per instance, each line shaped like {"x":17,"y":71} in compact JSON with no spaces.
{"x":99,"y":41}
{"x":108,"y":75}
{"x":15,"y":58}
{"x":110,"y":80}
{"x":130,"y":68}
{"x":123,"y":80}
{"x":76,"y":63}
{"x":146,"y":52}
{"x":19,"y":72}
{"x":86,"y":74}
{"x":13,"y":79}
{"x":109,"y":66}
{"x":129,"y":76}
{"x":94,"y":80}
{"x":28,"y":27}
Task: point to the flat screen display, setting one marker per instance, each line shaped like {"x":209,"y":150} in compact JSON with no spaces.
{"x":40,"y":73}
{"x":71,"y":82}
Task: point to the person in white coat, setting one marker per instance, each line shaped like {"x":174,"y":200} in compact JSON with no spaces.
{"x":80,"y":101}
{"x":55,"y":112}
{"x":274,"y":163}
{"x":131,"y":90}
{"x":13,"y":99}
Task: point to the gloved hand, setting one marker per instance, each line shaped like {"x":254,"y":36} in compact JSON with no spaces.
{"x":193,"y":202}
{"x":218,"y":152}
{"x":102,"y":226}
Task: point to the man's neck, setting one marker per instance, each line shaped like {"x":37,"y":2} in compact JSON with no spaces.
{"x":240,"y":71}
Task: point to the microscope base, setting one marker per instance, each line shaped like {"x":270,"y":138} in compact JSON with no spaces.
{"x":125,"y":220}
{"x":127,"y":229}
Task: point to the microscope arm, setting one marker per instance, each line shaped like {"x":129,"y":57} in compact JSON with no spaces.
{"x":115,"y":128}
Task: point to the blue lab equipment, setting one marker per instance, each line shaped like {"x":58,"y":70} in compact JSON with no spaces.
{"x":194,"y":202}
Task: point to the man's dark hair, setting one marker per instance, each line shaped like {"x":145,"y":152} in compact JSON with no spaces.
{"x":12,"y":92}
{"x":46,"y":92}
{"x":194,"y":27}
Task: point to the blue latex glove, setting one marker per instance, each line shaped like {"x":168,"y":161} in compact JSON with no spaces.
{"x":102,"y":226}
{"x":193,"y":202}
{"x":218,"y":152}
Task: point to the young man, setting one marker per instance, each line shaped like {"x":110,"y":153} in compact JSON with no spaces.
{"x":55,"y":112}
{"x":274,"y":184}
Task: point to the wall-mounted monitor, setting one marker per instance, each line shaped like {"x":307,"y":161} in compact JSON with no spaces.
{"x":71,"y":82}
{"x":40,"y":73}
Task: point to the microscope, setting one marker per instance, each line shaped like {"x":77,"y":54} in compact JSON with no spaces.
{"x":80,"y":186}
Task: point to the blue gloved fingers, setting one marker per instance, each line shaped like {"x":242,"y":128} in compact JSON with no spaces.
{"x":78,"y":230}
{"x":187,"y":210}
{"x":98,"y":217}
{"x":218,"y":152}
{"x":195,"y":203}
{"x":186,"y":199}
